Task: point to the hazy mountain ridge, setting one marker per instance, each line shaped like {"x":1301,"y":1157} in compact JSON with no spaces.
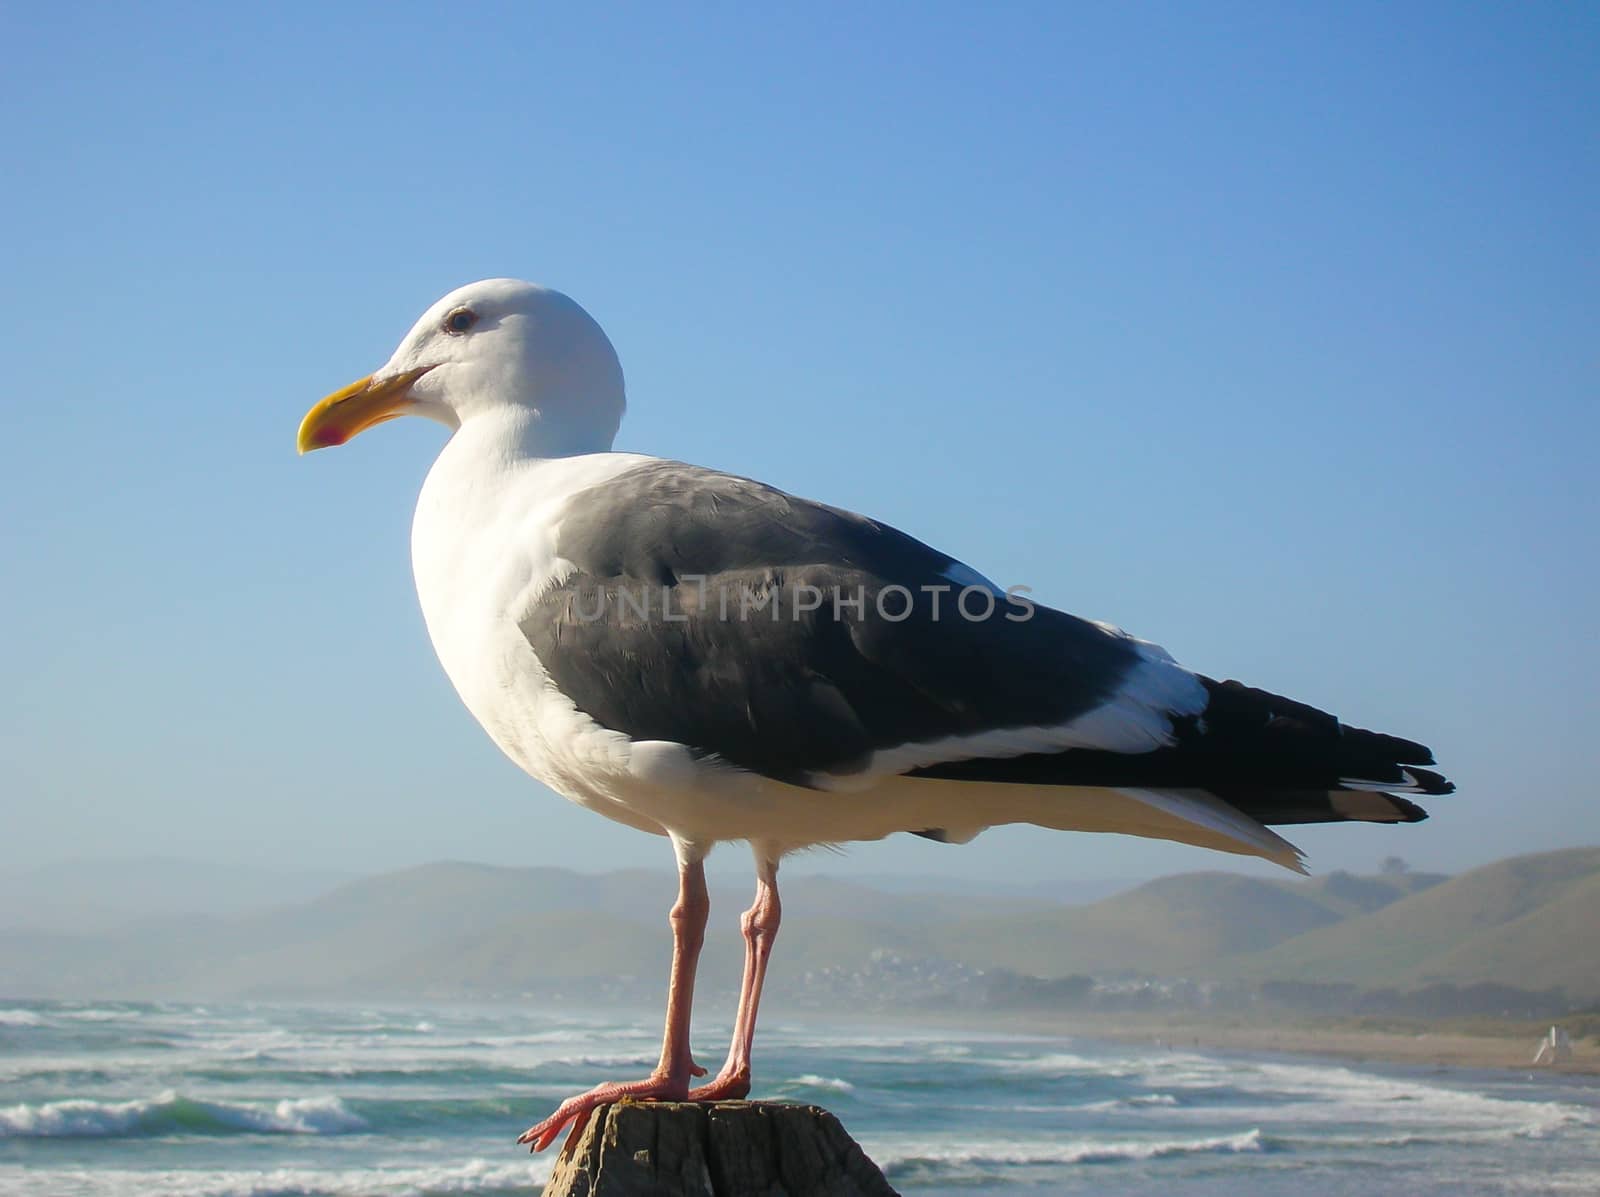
{"x":1517,"y":922}
{"x":454,"y":930}
{"x":86,"y":896}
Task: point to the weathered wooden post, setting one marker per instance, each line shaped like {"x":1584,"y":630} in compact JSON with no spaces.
{"x":721,"y":1149}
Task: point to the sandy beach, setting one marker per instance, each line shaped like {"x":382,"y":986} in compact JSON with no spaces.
{"x":1448,"y":1046}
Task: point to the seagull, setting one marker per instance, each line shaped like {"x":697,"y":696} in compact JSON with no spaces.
{"x":704,"y":657}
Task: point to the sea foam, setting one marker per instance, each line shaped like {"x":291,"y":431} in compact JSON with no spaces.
{"x":831,"y":1084}
{"x":931,"y":1162}
{"x":170,"y":1113}
{"x":477,"y":1177}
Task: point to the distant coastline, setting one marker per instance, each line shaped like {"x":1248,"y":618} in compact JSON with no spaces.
{"x":1470,"y":1044}
{"x":1399,"y":967}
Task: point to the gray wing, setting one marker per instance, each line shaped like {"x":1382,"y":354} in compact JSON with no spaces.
{"x":793,"y":639}
{"x":809,"y":644}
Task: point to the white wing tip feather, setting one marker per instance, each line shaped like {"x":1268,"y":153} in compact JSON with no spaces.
{"x":1408,"y":786}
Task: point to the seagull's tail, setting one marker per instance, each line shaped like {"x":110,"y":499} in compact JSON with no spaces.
{"x":1281,"y":761}
{"x":1250,"y":759}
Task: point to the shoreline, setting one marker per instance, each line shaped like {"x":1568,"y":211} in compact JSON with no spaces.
{"x":1482,"y":1044}
{"x":1444,"y":1046}
{"x":1463,"y":1044}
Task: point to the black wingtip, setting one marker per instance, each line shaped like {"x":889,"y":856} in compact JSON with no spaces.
{"x":1412,"y":812}
{"x":1400,"y":751}
{"x":1431,"y":782}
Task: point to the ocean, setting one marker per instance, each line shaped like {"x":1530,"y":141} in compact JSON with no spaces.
{"x":116,"y":1099}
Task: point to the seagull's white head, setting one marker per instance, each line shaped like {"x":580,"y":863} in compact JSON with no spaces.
{"x":483,"y":349}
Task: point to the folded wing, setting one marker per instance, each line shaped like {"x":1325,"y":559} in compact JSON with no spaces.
{"x":826,"y":650}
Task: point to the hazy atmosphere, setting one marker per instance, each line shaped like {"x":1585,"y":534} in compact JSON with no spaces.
{"x":1265,"y":333}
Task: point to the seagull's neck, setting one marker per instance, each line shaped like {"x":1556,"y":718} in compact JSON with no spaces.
{"x":489,"y":454}
{"x":512,"y":433}
{"x":484,"y":529}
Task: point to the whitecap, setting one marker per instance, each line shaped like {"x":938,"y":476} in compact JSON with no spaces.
{"x":1137,"y":1101}
{"x":170,"y":1113}
{"x":1151,"y":1099}
{"x":1061,"y":1064}
{"x":832,"y":1084}
{"x":933,"y":1159}
{"x":464,"y":1178}
{"x":1337,"y":1094}
{"x":95,"y":1014}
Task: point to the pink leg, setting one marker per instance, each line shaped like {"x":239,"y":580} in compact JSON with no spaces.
{"x":760,"y":927}
{"x":670,"y":1080}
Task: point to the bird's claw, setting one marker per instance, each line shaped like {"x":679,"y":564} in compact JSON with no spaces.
{"x":728,"y":1086}
{"x":576,"y":1110}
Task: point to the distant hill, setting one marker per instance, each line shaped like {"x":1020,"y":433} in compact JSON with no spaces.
{"x":463,"y":930}
{"x":1177,"y":925}
{"x":1529,"y":921}
{"x":452,"y":930}
{"x":95,"y":895}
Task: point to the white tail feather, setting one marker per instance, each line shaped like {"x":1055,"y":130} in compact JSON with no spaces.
{"x":1215,"y":815}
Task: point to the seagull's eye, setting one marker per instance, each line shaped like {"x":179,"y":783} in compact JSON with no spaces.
{"x":459,"y":321}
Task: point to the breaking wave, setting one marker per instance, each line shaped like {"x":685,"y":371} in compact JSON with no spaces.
{"x":477,"y":1177}
{"x":982,"y":1159}
{"x":171,"y":1113}
{"x":1136,"y":1102}
{"x":831,"y":1084}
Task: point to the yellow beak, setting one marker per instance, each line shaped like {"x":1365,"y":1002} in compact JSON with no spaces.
{"x":356,"y":408}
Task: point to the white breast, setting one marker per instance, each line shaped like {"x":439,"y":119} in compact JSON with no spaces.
{"x":482,"y":550}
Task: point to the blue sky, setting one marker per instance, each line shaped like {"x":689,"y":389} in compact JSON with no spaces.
{"x":1265,"y":331}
